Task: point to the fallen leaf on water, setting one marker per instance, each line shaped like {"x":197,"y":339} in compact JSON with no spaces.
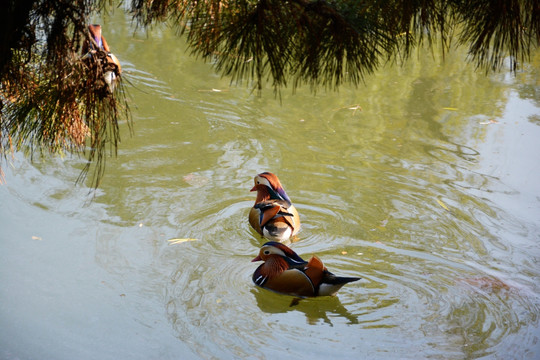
{"x":443,"y":205}
{"x":450,"y":108}
{"x":36,"y":238}
{"x":354,"y":107}
{"x":179,"y":241}
{"x":343,"y":253}
{"x":491,"y":121}
{"x":213,"y":90}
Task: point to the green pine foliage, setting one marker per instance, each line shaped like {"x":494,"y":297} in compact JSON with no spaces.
{"x":52,"y":100}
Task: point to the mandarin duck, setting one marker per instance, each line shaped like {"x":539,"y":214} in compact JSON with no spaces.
{"x":285,"y":272}
{"x":96,"y":48}
{"x":273,"y":215}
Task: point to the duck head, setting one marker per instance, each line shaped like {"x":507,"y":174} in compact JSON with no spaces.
{"x":273,"y":249}
{"x":98,"y":41}
{"x":269,"y":187}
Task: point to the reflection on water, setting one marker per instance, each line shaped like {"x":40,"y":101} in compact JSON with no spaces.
{"x":423,"y":182}
{"x":316,"y":310}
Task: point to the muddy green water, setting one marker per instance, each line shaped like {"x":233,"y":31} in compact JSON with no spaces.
{"x":425,"y":182}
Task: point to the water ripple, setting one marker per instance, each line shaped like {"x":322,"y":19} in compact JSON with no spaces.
{"x":210,"y":296}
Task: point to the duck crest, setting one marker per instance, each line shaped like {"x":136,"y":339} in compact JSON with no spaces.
{"x":292,"y":258}
{"x":276,"y":190}
{"x":272,"y":179}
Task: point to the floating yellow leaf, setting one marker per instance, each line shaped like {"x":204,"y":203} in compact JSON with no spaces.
{"x":450,"y":108}
{"x":354,"y":107}
{"x":343,"y":253}
{"x":491,"y":121}
{"x":36,"y":238}
{"x":179,"y":241}
{"x":213,"y":90}
{"x":443,"y":205}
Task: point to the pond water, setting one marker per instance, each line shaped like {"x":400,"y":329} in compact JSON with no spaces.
{"x":424,"y":181}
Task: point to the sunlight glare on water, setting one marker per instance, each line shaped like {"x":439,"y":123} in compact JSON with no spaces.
{"x":423,"y":181}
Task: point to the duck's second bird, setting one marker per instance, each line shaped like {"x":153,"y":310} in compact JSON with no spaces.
{"x":273,"y":215}
{"x":285,"y":272}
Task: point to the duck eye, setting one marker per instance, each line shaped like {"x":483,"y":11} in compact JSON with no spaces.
{"x":266,"y":252}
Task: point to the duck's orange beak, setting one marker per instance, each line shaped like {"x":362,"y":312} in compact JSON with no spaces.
{"x":258,"y":258}
{"x":254,"y":188}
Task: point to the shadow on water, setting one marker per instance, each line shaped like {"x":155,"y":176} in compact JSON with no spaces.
{"x":315,"y":309}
